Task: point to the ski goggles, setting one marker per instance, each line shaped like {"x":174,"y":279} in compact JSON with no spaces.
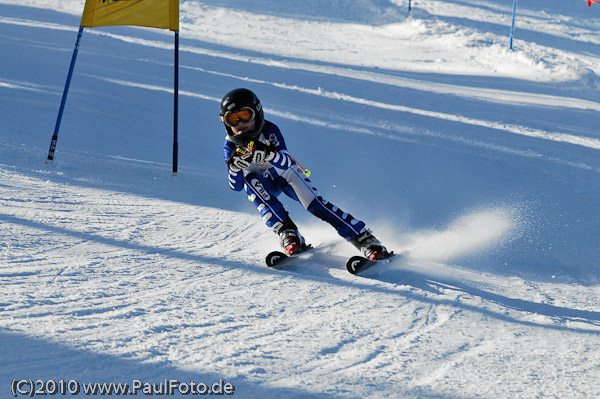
{"x":245,"y":114}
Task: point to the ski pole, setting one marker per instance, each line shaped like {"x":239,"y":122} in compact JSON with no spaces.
{"x":305,"y":171}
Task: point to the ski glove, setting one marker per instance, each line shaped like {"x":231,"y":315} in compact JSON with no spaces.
{"x":260,"y":152}
{"x":239,"y":159}
{"x":255,"y":152}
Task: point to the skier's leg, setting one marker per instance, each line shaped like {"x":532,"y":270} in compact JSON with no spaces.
{"x":263,"y":194}
{"x":301,"y":188}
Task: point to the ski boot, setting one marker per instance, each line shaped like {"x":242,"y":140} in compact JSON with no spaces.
{"x":369,"y":246}
{"x":289,"y":237}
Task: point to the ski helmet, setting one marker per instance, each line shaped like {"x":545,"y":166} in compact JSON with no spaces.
{"x":235,"y":101}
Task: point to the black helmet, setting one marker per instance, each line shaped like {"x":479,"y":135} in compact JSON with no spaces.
{"x":235,"y":101}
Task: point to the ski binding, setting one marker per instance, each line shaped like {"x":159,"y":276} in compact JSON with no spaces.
{"x":358,"y":264}
{"x":275,"y":258}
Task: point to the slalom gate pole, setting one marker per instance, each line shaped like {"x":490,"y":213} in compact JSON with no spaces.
{"x":64,"y":99}
{"x":512,"y":25}
{"x":408,"y":5}
{"x":176,"y":105}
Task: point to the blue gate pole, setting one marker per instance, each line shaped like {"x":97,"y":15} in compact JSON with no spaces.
{"x":64,"y":98}
{"x":408,"y":5}
{"x":512,"y":26}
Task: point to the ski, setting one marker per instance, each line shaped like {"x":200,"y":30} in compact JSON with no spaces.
{"x":276,"y":258}
{"x":358,"y":264}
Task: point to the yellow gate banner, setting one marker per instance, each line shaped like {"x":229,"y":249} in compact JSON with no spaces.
{"x":163,"y":14}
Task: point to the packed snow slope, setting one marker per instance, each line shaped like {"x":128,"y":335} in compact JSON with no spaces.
{"x":479,"y":164}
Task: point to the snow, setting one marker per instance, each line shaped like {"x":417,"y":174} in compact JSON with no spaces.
{"x":479,"y":164}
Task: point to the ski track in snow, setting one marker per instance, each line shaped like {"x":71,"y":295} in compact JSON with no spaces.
{"x":110,"y":271}
{"x":91,"y":264}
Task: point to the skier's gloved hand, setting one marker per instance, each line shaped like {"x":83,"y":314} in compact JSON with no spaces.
{"x":260,"y":152}
{"x":239,"y":159}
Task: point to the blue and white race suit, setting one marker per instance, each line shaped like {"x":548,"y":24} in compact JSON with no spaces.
{"x":265,"y":182}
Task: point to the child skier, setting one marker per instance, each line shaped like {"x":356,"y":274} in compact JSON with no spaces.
{"x":258,"y":160}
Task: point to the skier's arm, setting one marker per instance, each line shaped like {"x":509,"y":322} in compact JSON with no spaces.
{"x":236,"y":180}
{"x":281,"y":158}
{"x":235,"y":177}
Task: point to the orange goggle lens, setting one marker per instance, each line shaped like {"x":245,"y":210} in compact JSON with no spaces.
{"x":231,"y":119}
